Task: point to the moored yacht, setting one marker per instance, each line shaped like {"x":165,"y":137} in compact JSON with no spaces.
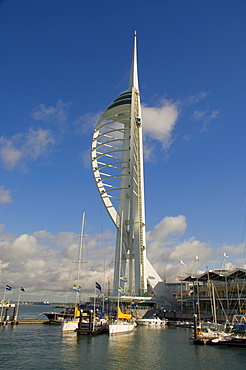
{"x":123,"y":324}
{"x":152,"y":321}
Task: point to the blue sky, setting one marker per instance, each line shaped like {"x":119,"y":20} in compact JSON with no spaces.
{"x":61,"y":65}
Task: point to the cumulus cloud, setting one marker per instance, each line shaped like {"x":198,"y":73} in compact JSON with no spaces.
{"x":46,"y":264}
{"x":4,"y":236}
{"x":187,"y":249}
{"x":165,"y":247}
{"x":86,"y":158}
{"x":159,"y":123}
{"x":168,"y":226}
{"x":166,"y":232}
{"x":9,"y":154}
{"x":37,"y":143}
{"x":205,"y":117}
{"x":87,"y":122}
{"x":57,"y":113}
{"x":195,"y":98}
{"x":25,"y":147}
{"x":5,"y":196}
{"x":22,"y":247}
{"x":231,"y":250}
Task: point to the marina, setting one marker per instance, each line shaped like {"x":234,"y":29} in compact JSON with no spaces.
{"x":168,"y":347}
{"x":126,"y":305}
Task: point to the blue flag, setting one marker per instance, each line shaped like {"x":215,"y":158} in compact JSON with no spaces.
{"x":8,"y":287}
{"x":76,"y":288}
{"x":121,"y":290}
{"x":22,"y":289}
{"x":98,"y":286}
{"x":123,"y":278}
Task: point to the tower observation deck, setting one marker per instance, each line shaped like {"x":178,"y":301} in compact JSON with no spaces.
{"x":117,"y":163}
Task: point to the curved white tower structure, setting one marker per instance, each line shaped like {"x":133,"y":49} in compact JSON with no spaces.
{"x":117,"y":163}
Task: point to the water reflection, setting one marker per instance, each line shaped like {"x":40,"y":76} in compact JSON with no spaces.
{"x":69,"y":338}
{"x":144,"y":348}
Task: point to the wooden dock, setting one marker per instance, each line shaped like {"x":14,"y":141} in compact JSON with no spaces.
{"x":33,"y":321}
{"x":23,"y":321}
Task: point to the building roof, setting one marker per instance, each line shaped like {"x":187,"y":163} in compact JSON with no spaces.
{"x":221,"y":275}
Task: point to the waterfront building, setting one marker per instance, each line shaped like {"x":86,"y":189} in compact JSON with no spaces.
{"x":223,"y":289}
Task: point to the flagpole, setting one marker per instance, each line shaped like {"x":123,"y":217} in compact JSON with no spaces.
{"x":18,"y":303}
{"x":103,"y":303}
{"x":94,"y":308}
{"x":121,"y":236}
{"x":103,"y":286}
{"x":4,"y":295}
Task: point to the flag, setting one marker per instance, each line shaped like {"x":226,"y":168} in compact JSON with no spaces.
{"x":22,"y":289}
{"x":8,"y":287}
{"x":123,"y":278}
{"x":225,"y":255}
{"x":76,"y":288}
{"x":181,"y":262}
{"x":98,"y":286}
{"x":121,"y":290}
{"x":197,"y":258}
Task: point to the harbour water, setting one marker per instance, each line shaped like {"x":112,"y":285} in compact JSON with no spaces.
{"x":42,"y":346}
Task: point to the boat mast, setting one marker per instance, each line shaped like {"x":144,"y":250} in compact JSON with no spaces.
{"x":79,"y":261}
{"x":121,"y":235}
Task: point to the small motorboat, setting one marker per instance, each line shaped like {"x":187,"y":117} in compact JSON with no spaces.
{"x":152,"y":321}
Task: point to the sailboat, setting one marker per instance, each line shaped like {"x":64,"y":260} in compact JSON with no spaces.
{"x":71,"y":324}
{"x":124,"y":323}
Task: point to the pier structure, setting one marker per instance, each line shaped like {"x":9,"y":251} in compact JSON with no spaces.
{"x":7,"y":313}
{"x":117,"y":163}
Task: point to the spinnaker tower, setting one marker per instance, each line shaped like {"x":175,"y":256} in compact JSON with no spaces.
{"x":117,"y":163}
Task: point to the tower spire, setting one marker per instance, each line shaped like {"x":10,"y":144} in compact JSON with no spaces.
{"x":133,"y":82}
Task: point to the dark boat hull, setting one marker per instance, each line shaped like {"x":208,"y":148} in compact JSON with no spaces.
{"x":233,"y":342}
{"x":100,"y":329}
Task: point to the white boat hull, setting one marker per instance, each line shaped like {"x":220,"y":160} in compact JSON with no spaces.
{"x":121,"y":327}
{"x":70,"y":325}
{"x":152,"y":322}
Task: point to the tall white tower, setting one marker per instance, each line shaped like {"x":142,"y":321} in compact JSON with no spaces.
{"x":117,"y":163}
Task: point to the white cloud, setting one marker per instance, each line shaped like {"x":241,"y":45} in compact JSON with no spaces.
{"x":168,"y":226}
{"x":165,"y":247}
{"x":87,"y":122}
{"x":44,"y":263}
{"x":86,"y":158}
{"x":159,"y":123}
{"x":187,"y":249}
{"x":166,"y":232}
{"x":5,"y":196}
{"x":57,"y":113}
{"x":193,"y":99}
{"x":231,"y":250}
{"x":37,"y":143}
{"x":9,"y":154}
{"x":205,"y":117}
{"x":25,"y":147}
{"x":22,"y":247}
{"x":4,"y":236}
